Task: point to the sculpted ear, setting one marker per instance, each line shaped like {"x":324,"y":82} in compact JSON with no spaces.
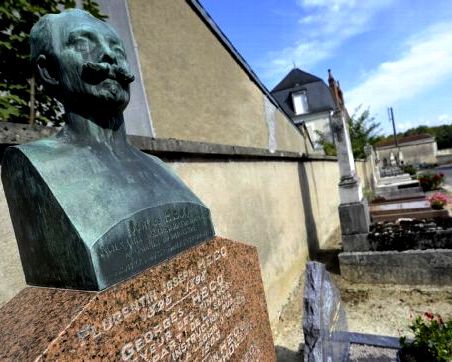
{"x":46,"y":71}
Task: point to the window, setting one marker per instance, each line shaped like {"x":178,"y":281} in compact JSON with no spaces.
{"x":300,"y":102}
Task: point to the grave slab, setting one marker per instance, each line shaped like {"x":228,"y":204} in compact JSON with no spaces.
{"x":421,"y":214}
{"x":428,"y":267}
{"x":404,"y":206}
{"x":207,"y":303}
{"x":399,"y":198}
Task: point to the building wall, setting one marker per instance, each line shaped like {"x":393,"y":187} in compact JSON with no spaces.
{"x":412,"y":154}
{"x":191,"y":79}
{"x":12,"y":279}
{"x":317,"y":122}
{"x":444,"y":156}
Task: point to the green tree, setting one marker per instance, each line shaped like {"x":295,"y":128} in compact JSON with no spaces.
{"x":363,"y":130}
{"x":442,"y":134}
{"x":22,"y":99}
{"x":328,"y":147}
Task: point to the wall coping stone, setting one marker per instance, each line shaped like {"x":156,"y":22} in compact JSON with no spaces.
{"x":15,"y":133}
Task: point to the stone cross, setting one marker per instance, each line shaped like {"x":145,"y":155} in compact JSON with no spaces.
{"x":349,"y":187}
{"x":353,"y":209}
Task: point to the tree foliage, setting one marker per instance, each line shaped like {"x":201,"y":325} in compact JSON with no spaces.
{"x":363,"y":130}
{"x":442,"y":134}
{"x":22,"y":99}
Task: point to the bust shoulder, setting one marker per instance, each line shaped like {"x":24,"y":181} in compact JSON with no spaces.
{"x":42,"y":154}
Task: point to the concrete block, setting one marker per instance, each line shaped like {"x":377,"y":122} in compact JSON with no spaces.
{"x":356,"y":242}
{"x":432,"y":266}
{"x":354,"y":218}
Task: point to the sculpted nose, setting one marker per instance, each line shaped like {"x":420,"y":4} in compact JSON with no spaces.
{"x":107,"y":55}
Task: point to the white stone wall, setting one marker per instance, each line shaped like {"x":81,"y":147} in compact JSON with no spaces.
{"x":412,"y":154}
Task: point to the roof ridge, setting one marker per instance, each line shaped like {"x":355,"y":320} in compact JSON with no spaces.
{"x":294,"y":77}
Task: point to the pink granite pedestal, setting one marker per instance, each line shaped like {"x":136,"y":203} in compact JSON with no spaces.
{"x":206,"y":304}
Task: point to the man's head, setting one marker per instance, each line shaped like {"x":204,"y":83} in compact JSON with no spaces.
{"x":82,"y":61}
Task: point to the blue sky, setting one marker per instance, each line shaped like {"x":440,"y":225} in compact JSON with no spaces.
{"x":383,"y":52}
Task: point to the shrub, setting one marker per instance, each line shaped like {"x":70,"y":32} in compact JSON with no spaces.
{"x":430,"y":181}
{"x":410,"y":169}
{"x":369,"y":194}
{"x":432,"y":340}
{"x":438,"y":200}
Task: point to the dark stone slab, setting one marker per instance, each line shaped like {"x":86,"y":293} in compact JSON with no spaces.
{"x":208,"y":303}
{"x":324,"y":317}
{"x":374,"y":340}
{"x":325,"y":326}
{"x":361,"y":353}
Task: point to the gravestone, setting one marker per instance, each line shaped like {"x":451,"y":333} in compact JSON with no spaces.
{"x":194,"y":307}
{"x":324,"y":317}
{"x":92,"y":213}
{"x":326,"y":336}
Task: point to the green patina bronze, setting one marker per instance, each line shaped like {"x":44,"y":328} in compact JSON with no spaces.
{"x":88,"y":209}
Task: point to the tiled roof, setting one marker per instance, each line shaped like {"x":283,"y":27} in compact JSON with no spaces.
{"x":293,"y":78}
{"x":403,"y":140}
{"x":318,"y":94}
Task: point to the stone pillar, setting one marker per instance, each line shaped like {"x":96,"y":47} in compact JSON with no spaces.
{"x":353,"y":209}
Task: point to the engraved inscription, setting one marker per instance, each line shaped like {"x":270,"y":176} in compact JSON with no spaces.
{"x":190,"y":316}
{"x":152,"y":236}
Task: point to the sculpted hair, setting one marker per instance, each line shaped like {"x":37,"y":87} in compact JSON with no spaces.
{"x":42,"y":33}
{"x":41,"y":41}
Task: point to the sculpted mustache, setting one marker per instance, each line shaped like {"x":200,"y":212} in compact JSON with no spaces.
{"x":97,"y":72}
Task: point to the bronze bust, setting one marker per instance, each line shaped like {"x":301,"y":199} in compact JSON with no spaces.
{"x":88,"y":209}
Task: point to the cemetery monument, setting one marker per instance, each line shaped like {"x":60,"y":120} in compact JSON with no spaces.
{"x":88,"y":209}
{"x":353,"y":209}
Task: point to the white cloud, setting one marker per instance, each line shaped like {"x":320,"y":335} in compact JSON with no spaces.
{"x":324,"y":26}
{"x":430,"y":122}
{"x":445,"y":119}
{"x":426,"y":63}
{"x":404,"y":126}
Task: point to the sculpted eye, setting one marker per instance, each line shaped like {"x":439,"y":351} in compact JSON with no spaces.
{"x":81,"y":44}
{"x":81,"y":40}
{"x":119,"y":51}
